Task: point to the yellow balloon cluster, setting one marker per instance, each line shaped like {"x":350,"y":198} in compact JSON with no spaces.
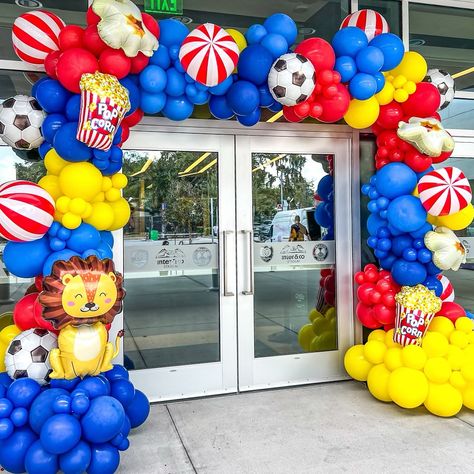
{"x":457,"y":221}
{"x":83,"y":194}
{"x":401,"y":82}
{"x":7,"y":334}
{"x":439,"y":374}
{"x":321,"y":333}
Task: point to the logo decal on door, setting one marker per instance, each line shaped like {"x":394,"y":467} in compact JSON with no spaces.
{"x":320,"y":252}
{"x":266,"y":253}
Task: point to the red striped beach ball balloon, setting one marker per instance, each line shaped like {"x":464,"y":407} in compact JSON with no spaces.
{"x":209,"y":54}
{"x":370,"y":21}
{"x":444,"y":191}
{"x":26,"y":211}
{"x":35,"y":35}
{"x":448,"y":290}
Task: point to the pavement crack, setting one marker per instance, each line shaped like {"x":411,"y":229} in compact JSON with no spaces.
{"x":466,"y":422}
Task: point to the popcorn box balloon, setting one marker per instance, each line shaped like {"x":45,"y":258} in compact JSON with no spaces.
{"x":410,"y":325}
{"x":104,"y":103}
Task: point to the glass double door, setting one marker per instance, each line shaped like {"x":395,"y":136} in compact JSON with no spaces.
{"x":238,"y":273}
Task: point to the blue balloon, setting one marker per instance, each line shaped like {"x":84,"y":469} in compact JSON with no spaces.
{"x":138,"y":410}
{"x":322,"y":216}
{"x":349,"y":41}
{"x":424,"y":255}
{"x":42,"y":408}
{"x":104,"y":250}
{"x":19,"y":416}
{"x":26,"y":259}
{"x":400,"y":244}
{"x":118,"y":372}
{"x":77,"y":460}
{"x":172,"y":32}
{"x":243,"y":97}
{"x":374,"y":223}
{"x":420,"y":233}
{"x":23,"y":391}
{"x":84,"y":237}
{"x":174,"y":52}
{"x":178,"y":66}
{"x":392,"y":48}
{"x":65,"y":254}
{"x":223,"y":87}
{"x":39,"y":461}
{"x":362,"y":86}
{"x":60,"y":433}
{"x":393,"y":230}
{"x":409,"y":254}
{"x":36,"y":84}
{"x":255,"y":34}
{"x":161,"y":57}
{"x":325,"y":187}
{"x":117,"y":137}
{"x":275,"y":107}
{"x":68,"y":146}
{"x":65,"y":384}
{"x":432,"y":283}
{"x":407,"y":213}
{"x":80,"y":404}
{"x":219,"y":107}
{"x":133,"y":93}
{"x":254,"y":64}
{"x":6,"y":428}
{"x":126,"y":427}
{"x":105,"y":459}
{"x":13,"y":449}
{"x":369,"y":60}
{"x":282,"y":24}
{"x":52,"y":96}
{"x":178,"y":108}
{"x":51,"y":124}
{"x":251,"y":119}
{"x":422,"y":173}
{"x":153,"y":79}
{"x":346,"y":67}
{"x":107,"y":237}
{"x":94,"y":386}
{"x":124,"y":391}
{"x":395,"y":179}
{"x":5,"y":380}
{"x":44,"y":148}
{"x":175,"y":83}
{"x":112,"y":169}
{"x":408,"y":273}
{"x":201,"y":98}
{"x":103,"y":420}
{"x":276,"y":44}
{"x":266,"y":98}
{"x":6,"y":407}
{"x":73,"y":107}
{"x":380,"y":80}
{"x":432,"y":269}
{"x":152,"y":103}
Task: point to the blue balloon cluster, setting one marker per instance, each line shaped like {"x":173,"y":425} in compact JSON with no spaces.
{"x":28,"y":259}
{"x":324,"y":214}
{"x":72,"y":426}
{"x":397,"y":226}
{"x":63,"y":110}
{"x":361,"y":63}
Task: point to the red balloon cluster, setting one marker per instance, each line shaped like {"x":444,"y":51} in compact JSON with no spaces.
{"x":328,"y":284}
{"x":83,"y":51}
{"x":28,"y":314}
{"x":376,"y":295}
{"x":451,"y":310}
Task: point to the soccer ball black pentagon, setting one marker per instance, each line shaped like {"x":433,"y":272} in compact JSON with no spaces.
{"x":21,"y":118}
{"x":291,"y":79}
{"x":28,"y":355}
{"x":445,"y":84}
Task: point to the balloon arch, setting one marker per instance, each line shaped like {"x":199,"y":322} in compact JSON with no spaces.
{"x":63,"y":408}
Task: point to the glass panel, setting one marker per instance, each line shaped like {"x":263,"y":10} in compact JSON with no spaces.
{"x":171,"y":259}
{"x":445,"y":37}
{"x":390,"y":9}
{"x":294,"y":256}
{"x":459,"y":114}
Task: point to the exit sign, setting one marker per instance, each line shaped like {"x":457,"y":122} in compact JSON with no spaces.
{"x":166,"y":7}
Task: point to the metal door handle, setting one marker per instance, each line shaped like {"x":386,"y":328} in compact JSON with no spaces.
{"x":249,"y":291}
{"x":225,"y":234}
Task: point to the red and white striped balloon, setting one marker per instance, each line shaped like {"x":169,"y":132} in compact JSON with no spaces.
{"x":35,"y":35}
{"x":209,"y":54}
{"x":370,"y":21}
{"x":448,"y":290}
{"x":26,"y":211}
{"x":444,"y":191}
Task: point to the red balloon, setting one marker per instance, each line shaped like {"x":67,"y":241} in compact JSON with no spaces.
{"x":364,"y":291}
{"x":39,"y":321}
{"x":359,"y":278}
{"x":387,"y":327}
{"x":329,"y":298}
{"x":23,"y":312}
{"x":125,"y":133}
{"x":335,"y":107}
{"x":319,"y":52}
{"x":388,"y":299}
{"x":417,"y":161}
{"x":302,"y":109}
{"x":91,"y":17}
{"x":377,"y":129}
{"x":326,"y":272}
{"x":133,"y":119}
{"x":367,"y":316}
{"x":330,"y":283}
{"x":72,"y":64}
{"x":316,"y":110}
{"x":115,"y":62}
{"x":151,"y":24}
{"x":92,"y":41}
{"x":375,"y":297}
{"x":443,"y":157}
{"x":390,"y":115}
{"x":383,"y":285}
{"x":139,"y":62}
{"x":70,"y":37}
{"x":424,"y":102}
{"x":384,"y":314}
{"x":50,"y":63}
{"x":451,"y":310}
{"x":290,"y":115}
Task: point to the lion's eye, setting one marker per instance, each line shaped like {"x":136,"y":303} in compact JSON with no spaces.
{"x":102,"y":294}
{"x":78,"y":295}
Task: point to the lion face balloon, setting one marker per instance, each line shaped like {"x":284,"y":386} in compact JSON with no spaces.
{"x":82,"y":292}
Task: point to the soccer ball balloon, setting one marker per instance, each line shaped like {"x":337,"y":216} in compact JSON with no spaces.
{"x":291,"y":79}
{"x":445,"y":84}
{"x":28,"y":355}
{"x":21,"y":118}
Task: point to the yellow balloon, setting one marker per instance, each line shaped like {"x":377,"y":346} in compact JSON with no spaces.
{"x":324,"y":342}
{"x":433,"y":220}
{"x":8,"y":333}
{"x":400,"y":95}
{"x":410,"y":87}
{"x":3,"y":350}
{"x":435,"y":344}
{"x":71,"y":221}
{"x":321,"y":325}
{"x":467,"y":370}
{"x":442,"y":325}
{"x":377,"y":382}
{"x":106,"y":183}
{"x":362,"y":113}
{"x":374,"y":351}
{"x":238,"y":37}
{"x":385,"y":96}
{"x":119,"y":181}
{"x":113,"y":194}
{"x":413,"y":67}
{"x":455,"y":357}
{"x":458,"y":221}
{"x":102,"y":216}
{"x":413,"y":357}
{"x":62,"y":204}
{"x":457,"y":380}
{"x":305,"y":336}
{"x":393,"y":358}
{"x":313,"y":314}
{"x":437,"y":370}
{"x":459,"y":339}
{"x":331,"y":313}
{"x":356,"y":365}
{"x":121,"y":212}
{"x":415,"y":192}
{"x":399,"y":82}
{"x":389,"y":342}
{"x":468,"y":396}
{"x":82,"y":180}
{"x":54,"y":163}
{"x":77,"y":206}
{"x":377,"y":335}
{"x":465,"y":325}
{"x":443,"y":400}
{"x":407,"y":387}
{"x":50,"y":184}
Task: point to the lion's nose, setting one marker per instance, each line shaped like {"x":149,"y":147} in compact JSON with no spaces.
{"x":89,"y":305}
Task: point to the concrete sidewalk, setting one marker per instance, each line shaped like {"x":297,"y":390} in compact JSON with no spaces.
{"x":328,"y":428}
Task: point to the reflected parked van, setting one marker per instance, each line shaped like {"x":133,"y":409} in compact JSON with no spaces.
{"x":283,"y":220}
